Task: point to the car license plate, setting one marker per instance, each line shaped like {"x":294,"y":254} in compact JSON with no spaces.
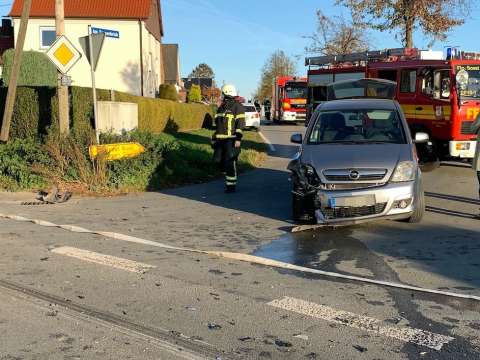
{"x":352,"y":201}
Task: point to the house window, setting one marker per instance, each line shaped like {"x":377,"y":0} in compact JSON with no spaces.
{"x":408,"y":81}
{"x":48,"y":36}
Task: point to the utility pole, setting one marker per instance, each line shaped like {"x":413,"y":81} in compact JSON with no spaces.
{"x":17,"y":60}
{"x":63,"y":106}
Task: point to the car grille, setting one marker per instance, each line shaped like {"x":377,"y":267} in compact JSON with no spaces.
{"x":363,"y":175}
{"x":466,"y":128}
{"x":353,"y":212}
{"x":349,"y":186}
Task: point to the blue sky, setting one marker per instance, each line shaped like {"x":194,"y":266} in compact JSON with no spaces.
{"x":235,"y":37}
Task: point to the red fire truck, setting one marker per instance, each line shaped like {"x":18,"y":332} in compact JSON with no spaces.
{"x":289,"y":99}
{"x":439,"y":94}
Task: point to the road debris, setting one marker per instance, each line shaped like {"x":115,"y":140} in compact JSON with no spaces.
{"x":360,"y":348}
{"x":246,"y":339}
{"x":212,"y":326}
{"x":301,"y":336}
{"x":50,"y":198}
{"x":281,"y":343}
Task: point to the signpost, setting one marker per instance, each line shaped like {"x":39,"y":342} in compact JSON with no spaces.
{"x":113,"y":152}
{"x":92,"y":47}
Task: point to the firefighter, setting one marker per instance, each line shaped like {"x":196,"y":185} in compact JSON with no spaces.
{"x":226,"y":141}
{"x":476,"y":159}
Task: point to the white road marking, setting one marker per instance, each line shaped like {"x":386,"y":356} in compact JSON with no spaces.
{"x":268,"y":142}
{"x":112,"y":261}
{"x":242,"y":257}
{"x":411,"y":335}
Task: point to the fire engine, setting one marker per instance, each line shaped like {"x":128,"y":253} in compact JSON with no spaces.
{"x":289,"y":99}
{"x":439,"y":94}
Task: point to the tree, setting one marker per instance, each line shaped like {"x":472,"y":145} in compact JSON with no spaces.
{"x":434,"y":17}
{"x":278,"y":64}
{"x":337,"y":36}
{"x":202,"y":71}
{"x":195,"y":94}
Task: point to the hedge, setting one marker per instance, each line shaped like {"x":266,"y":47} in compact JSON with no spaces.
{"x":36,"y":109}
{"x":35,"y":70}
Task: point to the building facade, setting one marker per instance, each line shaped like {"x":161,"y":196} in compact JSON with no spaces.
{"x":131,"y":59}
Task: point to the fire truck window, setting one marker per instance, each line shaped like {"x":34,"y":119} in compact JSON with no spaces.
{"x":388,"y":75}
{"x":442,"y":84}
{"x":427,"y":84}
{"x":408,"y":81}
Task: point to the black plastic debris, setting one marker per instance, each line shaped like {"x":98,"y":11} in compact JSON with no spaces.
{"x":360,"y":348}
{"x":212,"y":326}
{"x":246,"y":339}
{"x":281,"y":343}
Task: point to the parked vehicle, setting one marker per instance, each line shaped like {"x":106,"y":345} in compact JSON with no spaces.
{"x":252,"y":117}
{"x":357,"y":161}
{"x":289,"y":99}
{"x":440,"y":95}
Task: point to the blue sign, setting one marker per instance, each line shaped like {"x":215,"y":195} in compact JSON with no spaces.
{"x":108,"y":33}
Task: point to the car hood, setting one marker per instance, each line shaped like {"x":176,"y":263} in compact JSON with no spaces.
{"x":366,"y":156}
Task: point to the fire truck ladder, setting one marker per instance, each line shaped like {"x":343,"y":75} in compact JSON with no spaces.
{"x":361,"y":57}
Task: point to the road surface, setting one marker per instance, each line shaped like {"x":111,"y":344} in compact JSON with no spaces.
{"x":80,"y":295}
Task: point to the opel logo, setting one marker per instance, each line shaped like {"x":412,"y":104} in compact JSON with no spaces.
{"x":354,"y":175}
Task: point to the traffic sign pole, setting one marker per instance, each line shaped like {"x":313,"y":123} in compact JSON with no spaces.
{"x":63,"y":103}
{"x":94,"y":89}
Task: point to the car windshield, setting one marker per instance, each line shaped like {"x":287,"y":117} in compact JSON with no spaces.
{"x":357,"y":127}
{"x":296,"y":92}
{"x":472,"y":89}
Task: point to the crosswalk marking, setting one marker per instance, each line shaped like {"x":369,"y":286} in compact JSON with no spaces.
{"x":107,"y":260}
{"x":411,"y":335}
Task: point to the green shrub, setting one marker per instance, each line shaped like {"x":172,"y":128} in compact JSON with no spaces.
{"x":36,"y":69}
{"x":195,"y":94}
{"x":168,"y":92}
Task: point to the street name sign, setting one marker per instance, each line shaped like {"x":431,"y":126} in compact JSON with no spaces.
{"x":63,"y":54}
{"x":119,"y":151}
{"x":108,"y":33}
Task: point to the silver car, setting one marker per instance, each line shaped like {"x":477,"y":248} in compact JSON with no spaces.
{"x":357,"y":162}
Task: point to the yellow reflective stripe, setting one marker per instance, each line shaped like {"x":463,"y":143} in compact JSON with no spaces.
{"x":240,"y":116}
{"x":225,"y":136}
{"x":220,"y":115}
{"x":231,"y":183}
{"x":231,"y":178}
{"x":239,"y":131}
{"x":230,"y":116}
{"x":230,"y":123}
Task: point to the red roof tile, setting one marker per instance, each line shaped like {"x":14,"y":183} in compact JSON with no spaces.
{"x":111,"y":9}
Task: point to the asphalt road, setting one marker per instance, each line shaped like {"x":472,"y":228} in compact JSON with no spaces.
{"x":66,"y":295}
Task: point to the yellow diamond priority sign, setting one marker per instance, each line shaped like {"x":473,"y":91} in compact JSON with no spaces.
{"x":63,"y":54}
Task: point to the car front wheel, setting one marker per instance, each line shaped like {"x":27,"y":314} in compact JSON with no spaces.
{"x":419,"y":212}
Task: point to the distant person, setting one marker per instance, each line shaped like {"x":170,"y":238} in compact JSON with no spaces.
{"x":476,"y":159}
{"x":226,"y":141}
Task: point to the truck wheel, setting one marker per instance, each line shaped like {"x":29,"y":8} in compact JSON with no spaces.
{"x":419,"y":212}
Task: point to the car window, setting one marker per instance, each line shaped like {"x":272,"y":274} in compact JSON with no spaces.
{"x":250,"y":109}
{"x":357,"y":126}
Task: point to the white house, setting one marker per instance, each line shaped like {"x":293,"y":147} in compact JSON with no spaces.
{"x":131,"y":59}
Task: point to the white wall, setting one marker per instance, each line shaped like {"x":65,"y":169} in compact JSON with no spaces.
{"x":119,"y":67}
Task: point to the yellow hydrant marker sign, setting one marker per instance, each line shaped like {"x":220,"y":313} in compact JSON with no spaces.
{"x":63,"y":54}
{"x":112,"y":152}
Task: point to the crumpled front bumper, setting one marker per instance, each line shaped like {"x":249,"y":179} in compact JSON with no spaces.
{"x":387,"y":195}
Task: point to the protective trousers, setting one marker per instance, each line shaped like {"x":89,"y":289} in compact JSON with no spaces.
{"x":226,"y":156}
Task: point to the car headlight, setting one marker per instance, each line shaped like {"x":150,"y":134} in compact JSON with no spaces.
{"x":405,"y":171}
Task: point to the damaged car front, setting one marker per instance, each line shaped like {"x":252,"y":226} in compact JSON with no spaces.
{"x":357,"y":163}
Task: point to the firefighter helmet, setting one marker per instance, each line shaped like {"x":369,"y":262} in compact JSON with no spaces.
{"x":229,"y":90}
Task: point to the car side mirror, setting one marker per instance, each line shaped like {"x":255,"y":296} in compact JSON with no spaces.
{"x":296,"y":139}
{"x":421,"y":138}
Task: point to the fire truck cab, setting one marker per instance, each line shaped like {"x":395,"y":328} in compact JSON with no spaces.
{"x":440,"y":95}
{"x":289,"y":99}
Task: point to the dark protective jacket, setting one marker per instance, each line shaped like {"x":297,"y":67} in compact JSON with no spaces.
{"x":229,"y":121}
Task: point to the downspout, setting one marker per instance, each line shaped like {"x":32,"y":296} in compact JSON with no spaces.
{"x":141,"y":57}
